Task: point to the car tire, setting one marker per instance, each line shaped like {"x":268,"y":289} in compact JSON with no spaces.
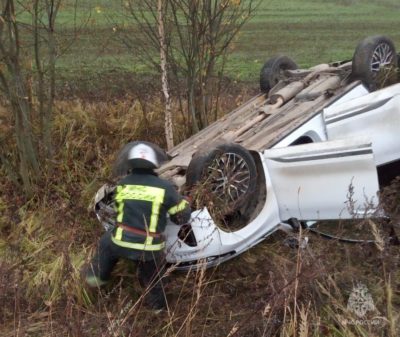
{"x":398,"y":67}
{"x":273,"y":71}
{"x":375,"y":62}
{"x":228,"y":171}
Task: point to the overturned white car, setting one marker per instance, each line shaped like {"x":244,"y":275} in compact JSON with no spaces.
{"x":315,"y":144}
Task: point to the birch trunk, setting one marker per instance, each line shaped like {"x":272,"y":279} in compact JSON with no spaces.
{"x":164,"y":76}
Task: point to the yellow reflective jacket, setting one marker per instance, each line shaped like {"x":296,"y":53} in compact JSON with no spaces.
{"x":143,"y":201}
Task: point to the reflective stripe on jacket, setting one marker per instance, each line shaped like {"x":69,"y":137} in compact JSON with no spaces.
{"x":143,"y":201}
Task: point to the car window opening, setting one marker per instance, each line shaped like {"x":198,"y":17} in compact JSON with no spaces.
{"x":301,"y":140}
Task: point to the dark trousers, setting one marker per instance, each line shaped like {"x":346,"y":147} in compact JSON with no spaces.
{"x":149,"y":268}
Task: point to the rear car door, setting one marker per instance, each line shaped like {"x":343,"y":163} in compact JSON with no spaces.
{"x":376,"y":116}
{"x":327,"y":180}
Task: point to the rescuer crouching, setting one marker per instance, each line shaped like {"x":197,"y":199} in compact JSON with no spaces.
{"x":143,"y":200}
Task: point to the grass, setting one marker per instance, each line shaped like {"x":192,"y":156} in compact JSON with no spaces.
{"x":270,"y":290}
{"x":309,"y":31}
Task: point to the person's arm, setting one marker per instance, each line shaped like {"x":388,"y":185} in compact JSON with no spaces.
{"x":180,"y":214}
{"x":179,"y":209}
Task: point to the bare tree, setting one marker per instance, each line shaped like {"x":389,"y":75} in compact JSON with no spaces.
{"x":28,"y":54}
{"x":14,"y":86}
{"x":164,"y":75}
{"x":197,"y":36}
{"x":44,"y":34}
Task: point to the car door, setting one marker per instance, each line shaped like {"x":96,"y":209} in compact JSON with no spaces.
{"x":376,"y":116}
{"x":327,"y":180}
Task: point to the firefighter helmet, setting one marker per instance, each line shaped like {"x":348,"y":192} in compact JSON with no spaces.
{"x":142,"y":156}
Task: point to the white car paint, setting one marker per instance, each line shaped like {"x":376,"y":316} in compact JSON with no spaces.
{"x":312,"y":181}
{"x":359,"y":91}
{"x":297,"y":181}
{"x":376,"y":115}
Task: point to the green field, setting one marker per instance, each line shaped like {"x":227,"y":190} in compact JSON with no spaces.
{"x":309,"y":31}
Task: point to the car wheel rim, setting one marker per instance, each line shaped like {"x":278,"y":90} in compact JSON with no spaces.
{"x":229,"y":177}
{"x":381,"y":58}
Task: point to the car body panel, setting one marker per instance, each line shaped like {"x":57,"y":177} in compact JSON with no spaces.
{"x":314,"y":130}
{"x":376,"y":115}
{"x":293,"y":190}
{"x":327,"y":180}
{"x":358,"y":91}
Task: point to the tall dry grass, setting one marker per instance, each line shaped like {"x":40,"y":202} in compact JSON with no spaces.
{"x":271,"y":290}
{"x":45,"y":241}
